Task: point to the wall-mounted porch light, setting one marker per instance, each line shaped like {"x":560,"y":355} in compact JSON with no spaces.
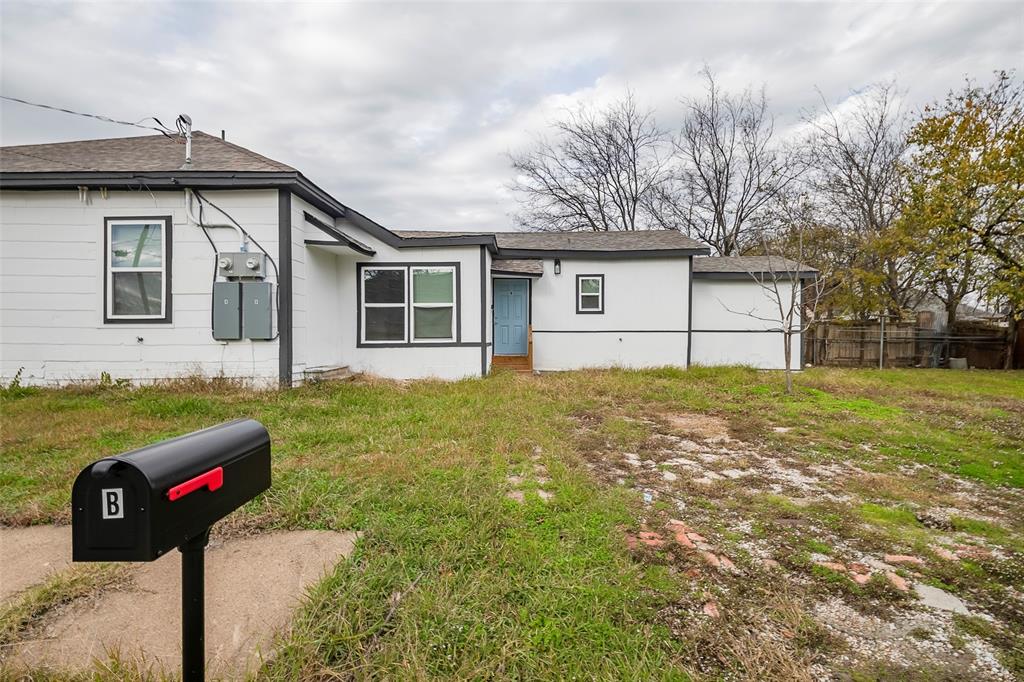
{"x":558,"y":266}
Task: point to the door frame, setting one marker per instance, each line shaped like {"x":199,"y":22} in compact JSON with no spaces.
{"x":529,"y":314}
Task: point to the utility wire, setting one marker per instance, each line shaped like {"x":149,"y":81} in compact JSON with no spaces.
{"x":162,"y":129}
{"x":236,"y":224}
{"x":277,"y":273}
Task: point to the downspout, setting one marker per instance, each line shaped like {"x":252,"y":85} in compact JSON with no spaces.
{"x":285,"y":348}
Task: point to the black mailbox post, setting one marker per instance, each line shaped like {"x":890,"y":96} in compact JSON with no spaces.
{"x":138,"y":505}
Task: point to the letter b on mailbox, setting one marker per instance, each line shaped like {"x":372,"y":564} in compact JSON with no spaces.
{"x":113,"y":503}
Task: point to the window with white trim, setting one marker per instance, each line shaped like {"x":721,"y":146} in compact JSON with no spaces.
{"x":137,"y":264}
{"x":408,"y":304}
{"x":589,"y":294}
{"x":433,"y":303}
{"x":384,"y":308}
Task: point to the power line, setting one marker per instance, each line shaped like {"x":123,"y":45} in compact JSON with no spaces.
{"x":163,"y":130}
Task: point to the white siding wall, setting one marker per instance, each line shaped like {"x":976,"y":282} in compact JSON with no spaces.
{"x":325,"y":335}
{"x":51,"y":302}
{"x":413,"y":362}
{"x":316,"y":295}
{"x":51,"y":290}
{"x":727,"y":330}
{"x":644,"y":323}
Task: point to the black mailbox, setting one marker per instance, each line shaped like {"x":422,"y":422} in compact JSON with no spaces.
{"x":138,"y":505}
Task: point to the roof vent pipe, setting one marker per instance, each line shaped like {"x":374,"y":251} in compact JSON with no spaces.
{"x":185,"y":128}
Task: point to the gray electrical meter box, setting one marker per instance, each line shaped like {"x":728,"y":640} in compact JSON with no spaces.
{"x":227,"y":311}
{"x":242,"y":264}
{"x":256,"y":310}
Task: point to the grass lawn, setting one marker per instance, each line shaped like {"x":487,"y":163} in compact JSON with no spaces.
{"x":857,"y":463}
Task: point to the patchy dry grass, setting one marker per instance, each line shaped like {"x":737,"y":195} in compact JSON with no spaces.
{"x":854,"y":466}
{"x":58,"y":589}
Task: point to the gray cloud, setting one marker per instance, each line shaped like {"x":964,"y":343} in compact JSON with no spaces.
{"x":406,"y":111}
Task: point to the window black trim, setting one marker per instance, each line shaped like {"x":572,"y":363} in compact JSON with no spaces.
{"x":409,"y":305}
{"x":169,"y":242}
{"x":579,"y":311}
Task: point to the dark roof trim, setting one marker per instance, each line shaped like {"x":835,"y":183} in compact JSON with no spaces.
{"x":600,"y":255}
{"x":466,"y":240}
{"x":163,"y":180}
{"x":340,"y":237}
{"x":781,"y":274}
{"x":517,"y":273}
{"x":296,"y":182}
{"x":302,"y":187}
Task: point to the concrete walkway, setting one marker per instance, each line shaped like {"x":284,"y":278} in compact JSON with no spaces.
{"x":253,"y":586}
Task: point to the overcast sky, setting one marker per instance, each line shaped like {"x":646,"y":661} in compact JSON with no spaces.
{"x":406,"y":112}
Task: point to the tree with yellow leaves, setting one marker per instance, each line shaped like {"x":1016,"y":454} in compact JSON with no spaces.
{"x":966,"y":202}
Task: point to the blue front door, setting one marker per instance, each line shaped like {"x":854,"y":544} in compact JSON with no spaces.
{"x":511,"y":316}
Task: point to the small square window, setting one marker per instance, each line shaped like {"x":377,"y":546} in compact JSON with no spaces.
{"x":589,"y":294}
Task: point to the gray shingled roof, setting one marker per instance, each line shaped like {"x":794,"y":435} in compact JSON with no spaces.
{"x":748,"y":264}
{"x":150,"y":153}
{"x":525,"y":266}
{"x":640,"y":240}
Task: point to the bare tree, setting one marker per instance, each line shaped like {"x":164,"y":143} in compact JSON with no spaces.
{"x":858,"y":157}
{"x":730,"y":168}
{"x":794,"y":288}
{"x":596,"y":173}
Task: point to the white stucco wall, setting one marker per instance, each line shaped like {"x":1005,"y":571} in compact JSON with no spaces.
{"x":414,"y":361}
{"x":644,"y":321}
{"x":316,"y":295}
{"x":737,"y":322}
{"x":324,"y":330}
{"x":51,"y":289}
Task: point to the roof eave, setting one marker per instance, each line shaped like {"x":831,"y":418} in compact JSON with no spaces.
{"x":784,"y":274}
{"x":517,"y":273}
{"x":436,"y":242}
{"x":340,"y":238}
{"x":603,"y":254}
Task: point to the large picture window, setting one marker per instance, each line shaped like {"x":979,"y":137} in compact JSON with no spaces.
{"x":589,"y":294}
{"x":137,"y":262}
{"x":408,"y":304}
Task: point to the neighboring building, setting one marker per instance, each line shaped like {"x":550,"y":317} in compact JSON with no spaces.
{"x":117,"y":257}
{"x":932,"y":314}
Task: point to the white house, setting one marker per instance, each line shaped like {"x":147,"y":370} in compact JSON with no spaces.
{"x":117,"y":256}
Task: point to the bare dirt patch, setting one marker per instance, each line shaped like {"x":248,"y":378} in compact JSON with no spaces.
{"x":28,"y":555}
{"x":702,"y":426}
{"x":861,"y":572}
{"x":253,"y":586}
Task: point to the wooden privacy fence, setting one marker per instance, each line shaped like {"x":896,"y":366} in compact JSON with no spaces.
{"x":902,"y":344}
